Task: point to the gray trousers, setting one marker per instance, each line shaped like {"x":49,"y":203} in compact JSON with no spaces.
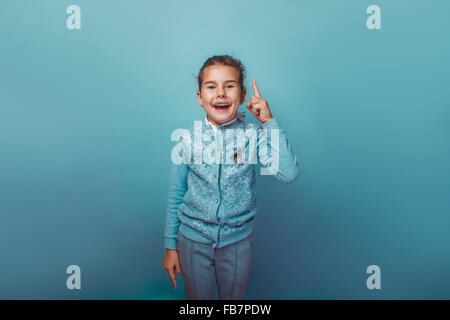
{"x":204,"y":267}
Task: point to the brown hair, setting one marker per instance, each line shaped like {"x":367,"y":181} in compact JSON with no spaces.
{"x":224,"y":60}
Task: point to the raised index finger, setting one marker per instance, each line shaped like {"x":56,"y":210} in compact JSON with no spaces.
{"x":255,"y":89}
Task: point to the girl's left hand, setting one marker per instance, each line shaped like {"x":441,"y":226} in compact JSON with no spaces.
{"x":259,"y":106}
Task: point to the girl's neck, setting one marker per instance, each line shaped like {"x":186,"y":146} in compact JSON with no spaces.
{"x":218,"y":124}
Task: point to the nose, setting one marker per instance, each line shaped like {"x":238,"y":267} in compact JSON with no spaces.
{"x":220,"y":92}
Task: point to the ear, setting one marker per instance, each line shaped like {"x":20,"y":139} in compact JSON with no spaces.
{"x":243,"y":94}
{"x":199,"y":97}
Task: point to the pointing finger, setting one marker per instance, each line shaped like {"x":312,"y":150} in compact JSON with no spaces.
{"x":172,"y":278}
{"x":255,"y":89}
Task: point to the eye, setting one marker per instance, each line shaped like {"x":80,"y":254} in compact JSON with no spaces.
{"x":210,"y":87}
{"x":230,"y":86}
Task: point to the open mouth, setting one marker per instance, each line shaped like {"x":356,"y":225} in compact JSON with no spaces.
{"x":221,"y":106}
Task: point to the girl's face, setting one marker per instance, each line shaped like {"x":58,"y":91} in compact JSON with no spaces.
{"x":220,"y":93}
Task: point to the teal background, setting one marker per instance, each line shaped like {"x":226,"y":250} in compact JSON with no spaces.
{"x":85,"y":124}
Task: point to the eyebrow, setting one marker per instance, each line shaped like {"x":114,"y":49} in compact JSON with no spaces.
{"x":214,"y":82}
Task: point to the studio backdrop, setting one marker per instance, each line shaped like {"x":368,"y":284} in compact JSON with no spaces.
{"x":91,"y":91}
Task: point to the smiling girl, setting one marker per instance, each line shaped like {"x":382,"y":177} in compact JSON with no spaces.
{"x":211,"y":207}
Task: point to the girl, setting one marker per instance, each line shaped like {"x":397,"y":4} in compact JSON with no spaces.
{"x":209,"y":223}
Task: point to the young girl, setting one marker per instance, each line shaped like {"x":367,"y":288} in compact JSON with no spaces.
{"x":209,"y":224}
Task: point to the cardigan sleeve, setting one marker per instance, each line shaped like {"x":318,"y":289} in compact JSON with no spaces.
{"x":282,"y":162}
{"x":177,"y":190}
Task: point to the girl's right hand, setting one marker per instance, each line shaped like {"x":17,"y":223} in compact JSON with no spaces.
{"x":171,"y":264}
